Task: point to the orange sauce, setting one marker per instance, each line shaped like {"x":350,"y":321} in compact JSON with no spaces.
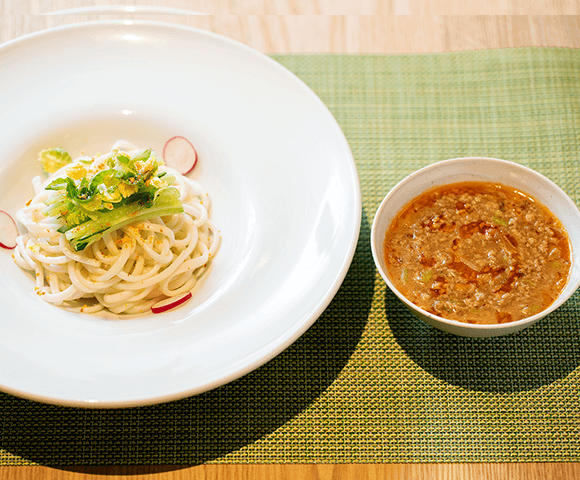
{"x":478,"y":253}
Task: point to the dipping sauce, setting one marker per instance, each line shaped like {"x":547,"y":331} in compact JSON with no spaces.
{"x":477,"y":252}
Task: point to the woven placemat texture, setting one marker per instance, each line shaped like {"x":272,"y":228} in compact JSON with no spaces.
{"x":368,"y":382}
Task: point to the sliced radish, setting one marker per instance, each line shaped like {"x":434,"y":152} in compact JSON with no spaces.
{"x":169,"y":303}
{"x":8,"y":231}
{"x":180,"y":154}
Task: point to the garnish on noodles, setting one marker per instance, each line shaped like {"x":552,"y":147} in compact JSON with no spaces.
{"x":120,"y":231}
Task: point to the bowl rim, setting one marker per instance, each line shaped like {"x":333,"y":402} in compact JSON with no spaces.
{"x":512,"y":326}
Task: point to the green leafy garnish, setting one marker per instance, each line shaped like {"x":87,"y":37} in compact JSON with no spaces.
{"x":53,"y":159}
{"x":112,"y":191}
{"x":167,"y":203}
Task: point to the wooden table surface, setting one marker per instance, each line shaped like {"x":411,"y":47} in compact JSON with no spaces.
{"x":339,"y":26}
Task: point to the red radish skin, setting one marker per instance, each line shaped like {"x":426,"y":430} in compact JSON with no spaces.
{"x":170,"y":303}
{"x":180,"y":154}
{"x":8,"y":231}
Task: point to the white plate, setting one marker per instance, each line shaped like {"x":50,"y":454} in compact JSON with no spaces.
{"x":285,"y":193}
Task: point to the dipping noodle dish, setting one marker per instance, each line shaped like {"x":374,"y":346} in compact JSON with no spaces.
{"x":121,"y":231}
{"x":478,"y":246}
{"x":478,"y":252}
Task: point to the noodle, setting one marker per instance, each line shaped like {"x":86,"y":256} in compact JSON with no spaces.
{"x":129,"y":269}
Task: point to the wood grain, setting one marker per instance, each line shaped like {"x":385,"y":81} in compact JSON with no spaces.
{"x":350,"y":33}
{"x":320,"y":7}
{"x":322,"y":26}
{"x":535,"y":471}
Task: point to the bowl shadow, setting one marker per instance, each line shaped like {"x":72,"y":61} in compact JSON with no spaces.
{"x":543,"y":353}
{"x":204,"y":427}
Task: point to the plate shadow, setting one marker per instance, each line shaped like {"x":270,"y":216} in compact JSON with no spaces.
{"x":539,"y":355}
{"x":208,"y":426}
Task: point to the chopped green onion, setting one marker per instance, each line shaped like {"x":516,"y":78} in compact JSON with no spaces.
{"x":427,"y":276}
{"x":457,"y":302}
{"x":499,"y":221}
{"x":405,"y":275}
{"x":533,"y":309}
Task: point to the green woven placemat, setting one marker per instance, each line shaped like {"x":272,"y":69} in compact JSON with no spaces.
{"x":368,"y":382}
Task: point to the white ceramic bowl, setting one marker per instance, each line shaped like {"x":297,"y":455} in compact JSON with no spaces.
{"x":487,"y":170}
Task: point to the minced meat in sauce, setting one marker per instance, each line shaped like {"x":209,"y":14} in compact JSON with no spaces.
{"x":477,"y":253}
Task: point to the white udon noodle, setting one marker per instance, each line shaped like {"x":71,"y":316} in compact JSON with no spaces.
{"x":129,"y":270}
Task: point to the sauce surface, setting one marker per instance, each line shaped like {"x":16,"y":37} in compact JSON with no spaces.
{"x":477,"y":252}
